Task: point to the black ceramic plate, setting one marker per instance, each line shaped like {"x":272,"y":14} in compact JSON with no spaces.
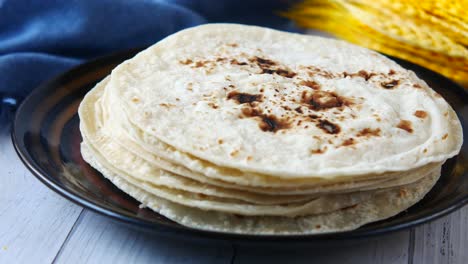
{"x":47,"y":138}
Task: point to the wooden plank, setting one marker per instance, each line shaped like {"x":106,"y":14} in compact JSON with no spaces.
{"x":97,"y":239}
{"x":391,"y":248}
{"x":443,"y":241}
{"x":34,"y":221}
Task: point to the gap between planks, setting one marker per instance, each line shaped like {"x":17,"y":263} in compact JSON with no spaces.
{"x":70,"y":233}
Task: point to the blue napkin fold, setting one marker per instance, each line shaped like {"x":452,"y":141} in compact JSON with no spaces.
{"x":40,"y":39}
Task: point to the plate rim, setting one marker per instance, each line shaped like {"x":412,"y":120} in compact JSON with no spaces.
{"x":162,"y":228}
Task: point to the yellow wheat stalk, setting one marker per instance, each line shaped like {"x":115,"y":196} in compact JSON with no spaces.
{"x":433,"y":34}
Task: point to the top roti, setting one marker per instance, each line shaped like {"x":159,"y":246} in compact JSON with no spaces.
{"x":284,"y":104}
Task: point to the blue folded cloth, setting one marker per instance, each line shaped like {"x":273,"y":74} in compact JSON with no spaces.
{"x":39,"y":39}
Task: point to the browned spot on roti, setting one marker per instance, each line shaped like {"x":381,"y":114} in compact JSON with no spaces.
{"x":135,"y":100}
{"x":186,"y":62}
{"x":236,"y":62}
{"x":285,"y":107}
{"x":271,"y":67}
{"x":271,"y":123}
{"x":250,"y":112}
{"x":199,"y":64}
{"x":220,"y":141}
{"x":328,"y":127}
{"x":420,"y":114}
{"x":405,"y":125}
{"x":391,"y":72}
{"x":282,"y":72}
{"x":318,"y":151}
{"x":318,"y":71}
{"x":425,"y":150}
{"x":368,"y":132}
{"x":362,"y":73}
{"x":234,"y":153}
{"x":417,"y":86}
{"x":444,"y":137}
{"x":311,"y":84}
{"x":390,"y":85}
{"x":262,"y":61}
{"x":267,"y":122}
{"x":318,"y":226}
{"x":213,"y":105}
{"x":365,"y":74}
{"x":348,"y":142}
{"x":167,"y":105}
{"x":234,"y":45}
{"x":298,"y":110}
{"x":320,"y":100}
{"x":243,"y":98}
{"x":249,"y":158}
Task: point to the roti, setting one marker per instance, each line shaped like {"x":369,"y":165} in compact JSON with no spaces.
{"x":244,"y":129}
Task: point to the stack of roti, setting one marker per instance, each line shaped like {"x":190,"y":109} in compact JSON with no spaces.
{"x":244,"y":129}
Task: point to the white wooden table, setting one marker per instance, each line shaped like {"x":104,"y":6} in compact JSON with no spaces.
{"x":39,"y":226}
